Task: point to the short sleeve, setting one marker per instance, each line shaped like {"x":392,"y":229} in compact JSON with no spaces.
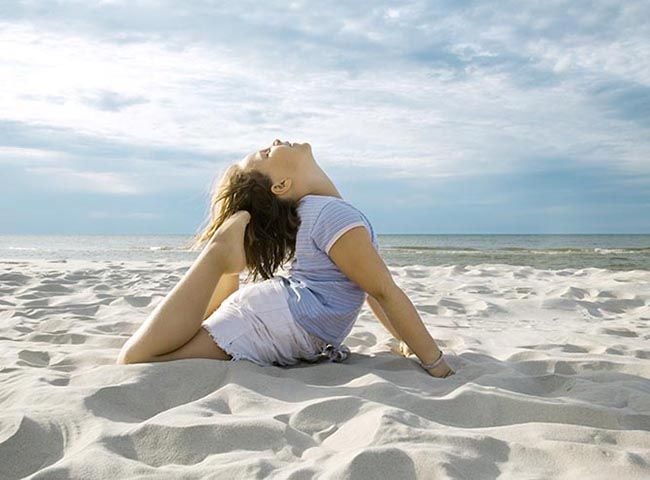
{"x":334,"y":219}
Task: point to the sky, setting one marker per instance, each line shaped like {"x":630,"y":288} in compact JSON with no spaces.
{"x":431,"y":117}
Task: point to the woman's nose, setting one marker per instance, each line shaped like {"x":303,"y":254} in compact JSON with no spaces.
{"x":276,"y":141}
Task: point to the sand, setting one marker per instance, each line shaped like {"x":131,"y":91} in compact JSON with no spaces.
{"x":552,"y":381}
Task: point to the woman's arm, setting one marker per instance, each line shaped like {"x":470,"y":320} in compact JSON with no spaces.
{"x":414,"y":336}
{"x":381,"y":316}
{"x":227,"y":285}
{"x":402,"y":349}
{"x":354,"y":254}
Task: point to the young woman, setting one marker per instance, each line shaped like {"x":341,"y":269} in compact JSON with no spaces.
{"x":273,"y":206}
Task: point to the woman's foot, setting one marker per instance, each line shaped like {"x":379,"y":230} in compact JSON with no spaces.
{"x":228,"y":241}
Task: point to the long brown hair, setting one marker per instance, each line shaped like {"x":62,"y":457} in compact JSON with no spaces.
{"x":270,"y":238}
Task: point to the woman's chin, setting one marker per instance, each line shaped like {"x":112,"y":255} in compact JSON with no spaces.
{"x":307,"y":152}
{"x":306,"y":147}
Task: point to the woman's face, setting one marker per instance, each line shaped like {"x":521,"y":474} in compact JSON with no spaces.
{"x":280,"y":160}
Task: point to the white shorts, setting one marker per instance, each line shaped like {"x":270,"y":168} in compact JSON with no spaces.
{"x":254,"y":323}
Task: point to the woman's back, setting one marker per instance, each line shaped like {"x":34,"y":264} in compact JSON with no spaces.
{"x":322,"y":299}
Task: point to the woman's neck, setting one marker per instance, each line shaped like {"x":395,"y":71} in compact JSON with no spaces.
{"x":321,"y":184}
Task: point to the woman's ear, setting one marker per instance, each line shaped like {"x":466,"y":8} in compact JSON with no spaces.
{"x":282,"y":187}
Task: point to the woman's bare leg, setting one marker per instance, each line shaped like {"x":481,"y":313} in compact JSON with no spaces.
{"x":178,"y":317}
{"x":200,"y":346}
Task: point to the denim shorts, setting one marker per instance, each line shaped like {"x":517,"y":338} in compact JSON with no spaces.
{"x":254,"y":323}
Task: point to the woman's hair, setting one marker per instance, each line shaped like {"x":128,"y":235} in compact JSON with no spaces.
{"x":270,"y":237}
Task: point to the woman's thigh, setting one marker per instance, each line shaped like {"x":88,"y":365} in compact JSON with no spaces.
{"x":200,"y":345}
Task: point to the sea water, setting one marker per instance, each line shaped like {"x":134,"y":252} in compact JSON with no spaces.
{"x":614,"y":252}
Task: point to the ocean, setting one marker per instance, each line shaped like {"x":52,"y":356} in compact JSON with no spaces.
{"x":614,"y":252}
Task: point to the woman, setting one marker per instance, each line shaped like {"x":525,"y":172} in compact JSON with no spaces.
{"x":276,"y":205}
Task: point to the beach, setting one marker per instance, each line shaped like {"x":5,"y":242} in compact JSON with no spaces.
{"x":552,"y":381}
{"x":496,"y":155}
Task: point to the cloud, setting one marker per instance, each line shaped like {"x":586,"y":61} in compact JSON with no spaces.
{"x":112,"y":101}
{"x":158,"y":95}
{"x":124,"y":215}
{"x":421,"y":85}
{"x":624,"y":100}
{"x":20,"y":155}
{"x":70,"y":180}
{"x":135,"y":167}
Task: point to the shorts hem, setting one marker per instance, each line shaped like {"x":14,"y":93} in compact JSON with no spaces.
{"x":222,"y":345}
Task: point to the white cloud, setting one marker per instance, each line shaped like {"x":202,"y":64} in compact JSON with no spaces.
{"x":99,"y":214}
{"x":85,"y":181}
{"x":30,"y":156}
{"x":411,"y":89}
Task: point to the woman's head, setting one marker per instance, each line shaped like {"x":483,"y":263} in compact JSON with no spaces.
{"x":290,"y":166}
{"x":270,"y":237}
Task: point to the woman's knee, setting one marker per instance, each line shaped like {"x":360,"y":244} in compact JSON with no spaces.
{"x":129,"y":354}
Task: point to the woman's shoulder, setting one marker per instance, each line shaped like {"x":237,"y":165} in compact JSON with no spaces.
{"x":318,"y":198}
{"x":330,"y":206}
{"x":327,"y":217}
{"x":322,"y":200}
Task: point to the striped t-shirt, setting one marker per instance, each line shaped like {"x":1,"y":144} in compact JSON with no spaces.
{"x":322,"y":299}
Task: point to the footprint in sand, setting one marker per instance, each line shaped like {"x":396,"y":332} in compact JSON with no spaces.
{"x":619,"y":332}
{"x":34,"y":358}
{"x":138,"y":301}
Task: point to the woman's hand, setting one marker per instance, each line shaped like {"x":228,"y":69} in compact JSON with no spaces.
{"x":442,"y":370}
{"x":404,"y":349}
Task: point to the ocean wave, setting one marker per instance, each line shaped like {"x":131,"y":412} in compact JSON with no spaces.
{"x":425,"y":248}
{"x":523,"y":251}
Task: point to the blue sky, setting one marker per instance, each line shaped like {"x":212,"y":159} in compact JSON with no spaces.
{"x":431,"y":117}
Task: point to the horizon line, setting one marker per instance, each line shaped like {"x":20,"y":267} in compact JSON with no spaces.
{"x":379,"y":234}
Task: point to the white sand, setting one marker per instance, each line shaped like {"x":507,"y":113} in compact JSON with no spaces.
{"x":552,"y":381}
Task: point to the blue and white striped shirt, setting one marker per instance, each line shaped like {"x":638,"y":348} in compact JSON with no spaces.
{"x":322,"y":299}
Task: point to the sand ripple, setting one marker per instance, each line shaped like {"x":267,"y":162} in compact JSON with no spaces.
{"x":553,"y":381}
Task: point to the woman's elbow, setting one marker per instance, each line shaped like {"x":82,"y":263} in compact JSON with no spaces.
{"x":385,"y":291}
